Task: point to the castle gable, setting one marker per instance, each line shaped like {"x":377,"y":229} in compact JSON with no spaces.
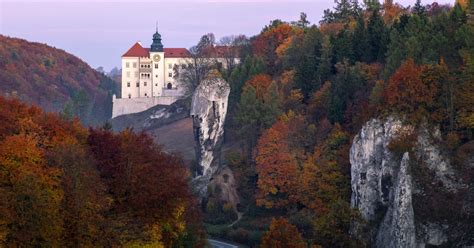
{"x":136,"y":51}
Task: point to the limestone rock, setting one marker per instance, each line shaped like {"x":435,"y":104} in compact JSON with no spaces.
{"x":208,"y":111}
{"x":384,"y":187}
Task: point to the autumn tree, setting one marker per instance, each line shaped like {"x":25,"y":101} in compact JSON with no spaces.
{"x":408,"y":94}
{"x":276,"y":167}
{"x":85,"y":198}
{"x":267,"y":43}
{"x":282,"y":234}
{"x":30,"y":195}
{"x":147,"y":185}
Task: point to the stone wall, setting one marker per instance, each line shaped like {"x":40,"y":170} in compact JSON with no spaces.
{"x":123,"y":106}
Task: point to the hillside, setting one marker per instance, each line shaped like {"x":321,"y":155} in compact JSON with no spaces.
{"x":54,"y":80}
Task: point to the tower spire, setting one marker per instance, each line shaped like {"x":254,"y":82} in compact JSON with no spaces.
{"x":156,"y":46}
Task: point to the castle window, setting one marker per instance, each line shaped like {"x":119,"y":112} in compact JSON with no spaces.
{"x":129,"y":95}
{"x":169,"y":86}
{"x":170,"y":74}
{"x":128,"y":74}
{"x":146,"y":95}
{"x":134,"y":64}
{"x":156,"y":85}
{"x":156,"y":75}
{"x":127,"y":65}
{"x":156,"y":66}
{"x":138,"y":84}
{"x":128,"y":84}
{"x":144,"y":83}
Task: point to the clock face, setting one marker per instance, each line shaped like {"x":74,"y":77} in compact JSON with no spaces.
{"x":156,"y":57}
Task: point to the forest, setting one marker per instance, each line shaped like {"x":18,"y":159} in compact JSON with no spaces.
{"x":302,"y":93}
{"x":299,"y":96}
{"x":63,"y":185}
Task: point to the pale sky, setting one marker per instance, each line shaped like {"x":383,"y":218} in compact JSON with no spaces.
{"x":99,"y":32}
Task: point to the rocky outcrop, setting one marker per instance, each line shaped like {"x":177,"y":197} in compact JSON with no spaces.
{"x":208,"y":111}
{"x":387,"y":187}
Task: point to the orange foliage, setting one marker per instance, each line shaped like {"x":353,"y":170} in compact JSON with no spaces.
{"x":29,"y":194}
{"x":274,"y":41}
{"x":407,"y":93}
{"x":282,"y":234}
{"x":61,"y":186}
{"x":261,"y":84}
{"x":276,"y":168}
{"x":392,"y":12}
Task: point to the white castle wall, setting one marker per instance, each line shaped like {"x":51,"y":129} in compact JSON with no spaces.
{"x":123,"y":106}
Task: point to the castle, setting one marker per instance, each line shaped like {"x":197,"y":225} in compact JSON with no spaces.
{"x":148,"y":76}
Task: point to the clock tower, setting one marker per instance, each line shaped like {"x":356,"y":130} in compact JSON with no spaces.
{"x":157,"y":56}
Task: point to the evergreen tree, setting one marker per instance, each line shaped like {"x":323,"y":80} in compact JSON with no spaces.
{"x":377,"y":34}
{"x":342,"y":46}
{"x":361,"y":47}
{"x":419,"y":9}
{"x":307,"y":75}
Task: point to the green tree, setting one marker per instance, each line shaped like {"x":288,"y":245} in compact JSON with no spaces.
{"x":377,"y":37}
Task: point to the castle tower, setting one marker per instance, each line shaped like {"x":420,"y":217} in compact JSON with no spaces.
{"x":157,"y":56}
{"x":156,"y":46}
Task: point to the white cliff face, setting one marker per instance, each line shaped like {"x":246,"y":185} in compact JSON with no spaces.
{"x":209,"y":109}
{"x":398,"y":226}
{"x":383,"y":186}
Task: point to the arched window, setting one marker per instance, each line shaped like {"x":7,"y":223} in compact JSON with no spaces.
{"x":129,"y":95}
{"x":169,"y":86}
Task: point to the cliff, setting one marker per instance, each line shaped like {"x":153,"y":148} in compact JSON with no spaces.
{"x":208,"y":111}
{"x":408,"y":198}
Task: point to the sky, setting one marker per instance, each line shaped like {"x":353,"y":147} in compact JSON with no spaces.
{"x":100,"y":31}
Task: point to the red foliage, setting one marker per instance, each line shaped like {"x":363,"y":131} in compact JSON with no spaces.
{"x":267,"y":43}
{"x":407,"y":93}
{"x":261,"y":84}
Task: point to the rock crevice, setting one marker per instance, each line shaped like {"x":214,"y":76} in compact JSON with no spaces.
{"x":384,"y":186}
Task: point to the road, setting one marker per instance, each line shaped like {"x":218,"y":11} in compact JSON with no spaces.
{"x":219,"y":244}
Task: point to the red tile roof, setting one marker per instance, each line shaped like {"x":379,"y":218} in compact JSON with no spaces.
{"x":176,"y":53}
{"x":136,"y":51}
